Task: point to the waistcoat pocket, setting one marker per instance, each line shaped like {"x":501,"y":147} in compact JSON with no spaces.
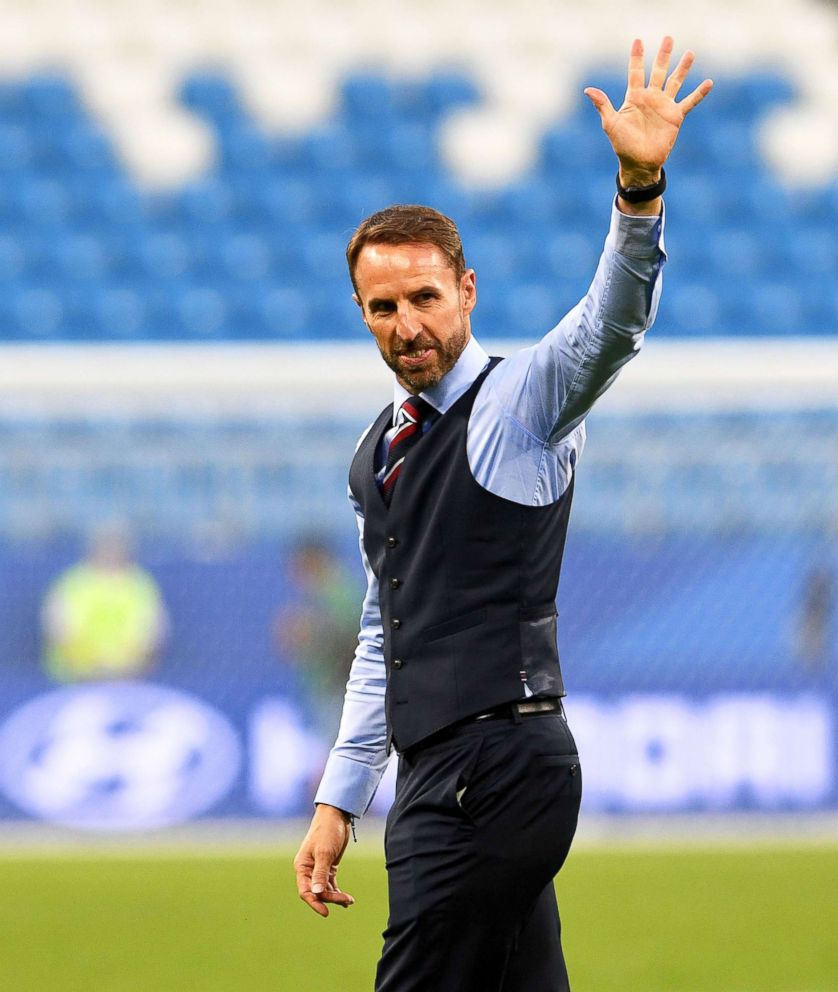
{"x":464,"y":622}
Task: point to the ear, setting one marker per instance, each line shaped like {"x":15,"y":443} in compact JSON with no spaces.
{"x":357,"y":299}
{"x":468,"y":291}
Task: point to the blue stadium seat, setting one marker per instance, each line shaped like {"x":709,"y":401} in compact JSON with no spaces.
{"x":85,"y":149}
{"x":119,"y":314}
{"x":49,"y":97}
{"x":812,"y":252}
{"x":35,"y":313}
{"x":444,"y":91}
{"x":575,"y":144}
{"x":822,"y":309}
{"x":394,"y":147}
{"x":323,"y":255}
{"x":758,"y":91}
{"x":351,"y":203}
{"x":730,"y":147}
{"x":79,"y":257}
{"x":285,"y":312}
{"x":780,"y":307}
{"x":734,"y":253}
{"x":245,"y":149}
{"x":43,"y":202}
{"x":328,"y":150}
{"x":17,"y":148}
{"x":208,"y":202}
{"x":12,"y":259}
{"x":571,"y":254}
{"x":525,"y":203}
{"x":691,"y":308}
{"x":528,"y":310}
{"x":201,"y":313}
{"x":368,"y":98}
{"x":211,"y":95}
{"x":246,"y":257}
{"x":166,"y":255}
{"x":493,"y":256}
{"x":284,"y":201}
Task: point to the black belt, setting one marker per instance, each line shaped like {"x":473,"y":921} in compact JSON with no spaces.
{"x":517,"y":711}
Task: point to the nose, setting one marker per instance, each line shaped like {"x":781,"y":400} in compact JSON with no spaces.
{"x":407,"y":324}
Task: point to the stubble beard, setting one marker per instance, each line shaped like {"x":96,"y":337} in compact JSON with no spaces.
{"x":418,"y":380}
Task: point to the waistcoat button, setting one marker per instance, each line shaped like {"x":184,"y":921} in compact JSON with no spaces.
{"x":397,"y":663}
{"x":395,"y":583}
{"x":391,"y":542}
{"x":395,"y":624}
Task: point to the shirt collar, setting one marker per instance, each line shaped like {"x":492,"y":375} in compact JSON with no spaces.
{"x":453,"y":384}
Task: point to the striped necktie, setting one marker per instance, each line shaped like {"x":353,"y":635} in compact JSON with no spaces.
{"x":413,"y":413}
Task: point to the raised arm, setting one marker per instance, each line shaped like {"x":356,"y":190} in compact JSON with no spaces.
{"x":539,"y":396}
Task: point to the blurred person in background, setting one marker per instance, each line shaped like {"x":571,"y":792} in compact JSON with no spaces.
{"x":104,"y":617}
{"x":318,"y":629}
{"x":815,"y":615}
{"x":462,"y":489}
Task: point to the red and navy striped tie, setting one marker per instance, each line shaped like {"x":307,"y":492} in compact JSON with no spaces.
{"x":412,"y":415}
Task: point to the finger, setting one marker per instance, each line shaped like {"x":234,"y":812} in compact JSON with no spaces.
{"x":315,"y":903}
{"x":330,"y":894}
{"x":334,"y":893}
{"x":338,"y":898}
{"x":676,"y":80}
{"x":636,"y":75}
{"x":698,"y":94}
{"x":303,"y":872}
{"x":661,"y":66}
{"x":323,"y":870}
{"x":603,"y":105}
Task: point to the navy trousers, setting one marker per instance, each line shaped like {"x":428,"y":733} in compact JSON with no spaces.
{"x":482,"y":821}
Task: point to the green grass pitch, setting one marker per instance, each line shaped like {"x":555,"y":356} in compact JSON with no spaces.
{"x":636,"y":919}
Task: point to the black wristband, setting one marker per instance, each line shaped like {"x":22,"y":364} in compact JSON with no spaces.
{"x":642,"y":194}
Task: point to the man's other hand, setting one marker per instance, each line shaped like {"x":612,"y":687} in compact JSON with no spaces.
{"x":316,"y":862}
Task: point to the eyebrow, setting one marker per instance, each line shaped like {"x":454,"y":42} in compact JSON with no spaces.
{"x":379,"y":300}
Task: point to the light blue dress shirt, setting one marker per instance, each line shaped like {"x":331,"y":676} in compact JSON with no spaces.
{"x":525,"y":435}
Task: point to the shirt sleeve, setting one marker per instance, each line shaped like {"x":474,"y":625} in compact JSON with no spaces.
{"x":359,"y":757}
{"x":547,"y":390}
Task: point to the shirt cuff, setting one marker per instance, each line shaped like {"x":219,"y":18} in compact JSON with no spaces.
{"x":638,"y":237}
{"x":348,"y":784}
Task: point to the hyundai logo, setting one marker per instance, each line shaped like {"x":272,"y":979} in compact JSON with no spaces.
{"x":117,"y":756}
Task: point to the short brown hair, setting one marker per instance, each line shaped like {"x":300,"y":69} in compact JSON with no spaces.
{"x":408,"y":223}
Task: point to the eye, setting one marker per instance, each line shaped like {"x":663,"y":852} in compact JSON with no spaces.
{"x":381,"y":307}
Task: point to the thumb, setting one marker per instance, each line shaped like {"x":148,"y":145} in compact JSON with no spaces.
{"x":600,"y":100}
{"x":320,"y":875}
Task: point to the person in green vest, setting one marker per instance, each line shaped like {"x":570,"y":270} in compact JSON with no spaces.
{"x":316,"y":629}
{"x":104,"y":617}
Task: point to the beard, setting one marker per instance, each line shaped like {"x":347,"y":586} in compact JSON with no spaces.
{"x":439,"y":363}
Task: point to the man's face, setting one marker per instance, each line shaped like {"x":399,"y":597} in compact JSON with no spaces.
{"x":416,"y":309}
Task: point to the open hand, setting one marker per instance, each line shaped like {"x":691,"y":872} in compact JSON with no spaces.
{"x":643,"y":131}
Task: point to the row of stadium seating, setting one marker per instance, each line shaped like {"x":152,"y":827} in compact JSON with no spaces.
{"x":254,"y":249}
{"x":223,"y":311}
{"x":259,"y":477}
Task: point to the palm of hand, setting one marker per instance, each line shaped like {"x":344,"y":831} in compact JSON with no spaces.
{"x":643,"y":131}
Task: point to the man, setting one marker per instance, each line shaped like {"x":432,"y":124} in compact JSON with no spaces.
{"x":104,"y":617}
{"x":462,"y":490}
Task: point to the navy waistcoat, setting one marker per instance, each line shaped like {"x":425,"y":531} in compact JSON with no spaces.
{"x":467,"y":581}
